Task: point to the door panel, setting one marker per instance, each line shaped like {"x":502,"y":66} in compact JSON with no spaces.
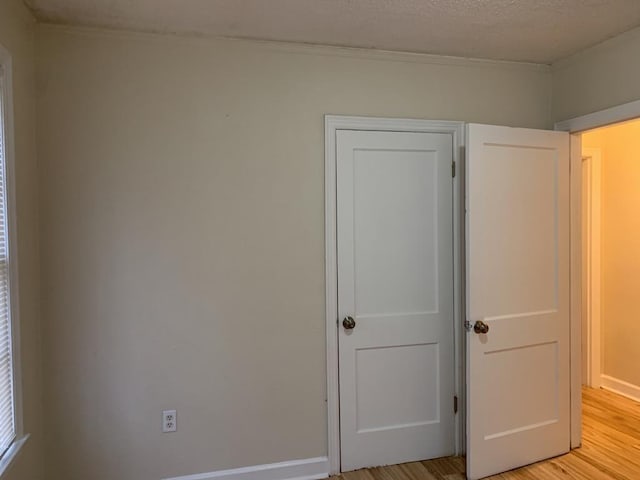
{"x":395,"y":216}
{"x":395,"y":278}
{"x":380,"y":366}
{"x":518,"y":284}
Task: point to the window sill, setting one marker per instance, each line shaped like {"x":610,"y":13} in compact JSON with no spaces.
{"x":11,"y":453}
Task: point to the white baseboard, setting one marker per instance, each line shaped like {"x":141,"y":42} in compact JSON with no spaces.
{"x":307,"y":469}
{"x":620,"y":387}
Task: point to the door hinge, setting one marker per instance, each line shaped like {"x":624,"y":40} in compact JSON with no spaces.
{"x":453,"y":169}
{"x":455,"y":404}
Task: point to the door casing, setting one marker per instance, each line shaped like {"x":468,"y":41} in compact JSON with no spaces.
{"x":456,"y":130}
{"x":591,"y":178}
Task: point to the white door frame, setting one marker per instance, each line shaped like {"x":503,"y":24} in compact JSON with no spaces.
{"x":575,"y":126}
{"x":592,"y":163}
{"x":338,"y":122}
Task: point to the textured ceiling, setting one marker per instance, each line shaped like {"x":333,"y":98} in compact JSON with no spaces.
{"x":540,"y":31}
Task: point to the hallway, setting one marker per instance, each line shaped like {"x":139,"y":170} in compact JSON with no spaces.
{"x":610,"y":450}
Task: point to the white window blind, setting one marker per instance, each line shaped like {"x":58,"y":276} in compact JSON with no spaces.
{"x":7,"y":397}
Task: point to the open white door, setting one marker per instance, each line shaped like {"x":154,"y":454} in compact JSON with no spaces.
{"x":518,"y":287}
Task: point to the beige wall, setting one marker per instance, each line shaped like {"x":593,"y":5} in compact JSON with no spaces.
{"x":620,"y":257}
{"x":183,"y":240}
{"x":17,"y":34}
{"x":600,"y":77}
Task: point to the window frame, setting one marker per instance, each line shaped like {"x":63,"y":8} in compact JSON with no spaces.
{"x":7,"y":112}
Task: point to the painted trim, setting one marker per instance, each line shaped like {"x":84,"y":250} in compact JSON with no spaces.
{"x":6,"y":77}
{"x":307,"y":49}
{"x":332,"y":124}
{"x":592,"y":286}
{"x":331,"y":294}
{"x":620,"y":387}
{"x":12,"y":453}
{"x":575,"y":280}
{"x":617,"y":114}
{"x":307,"y":469}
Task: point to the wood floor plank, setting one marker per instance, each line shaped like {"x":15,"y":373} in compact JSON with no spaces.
{"x":417,"y":471}
{"x":610,"y":450}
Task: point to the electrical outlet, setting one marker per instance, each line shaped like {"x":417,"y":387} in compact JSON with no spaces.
{"x":169,"y":421}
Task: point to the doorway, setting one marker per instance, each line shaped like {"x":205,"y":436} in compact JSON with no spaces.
{"x":611,"y":264}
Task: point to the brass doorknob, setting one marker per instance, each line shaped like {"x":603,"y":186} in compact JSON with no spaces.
{"x":480,"y":327}
{"x":349,"y":323}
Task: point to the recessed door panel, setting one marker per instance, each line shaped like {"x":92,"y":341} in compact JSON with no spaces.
{"x":395,"y":231}
{"x":377,"y":374}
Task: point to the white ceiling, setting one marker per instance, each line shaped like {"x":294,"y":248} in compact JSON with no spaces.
{"x":540,"y":31}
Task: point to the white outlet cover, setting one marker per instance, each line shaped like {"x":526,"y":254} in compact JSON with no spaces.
{"x":169,"y":421}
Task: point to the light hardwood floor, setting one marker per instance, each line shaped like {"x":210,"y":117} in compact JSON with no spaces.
{"x":610,"y":450}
